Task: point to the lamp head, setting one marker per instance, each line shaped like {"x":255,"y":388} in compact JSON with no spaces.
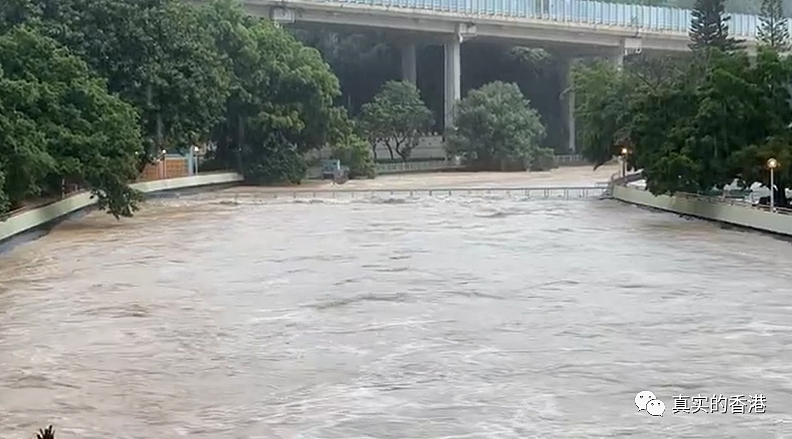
{"x":772,"y":163}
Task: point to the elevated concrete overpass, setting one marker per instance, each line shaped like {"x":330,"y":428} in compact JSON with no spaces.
{"x":570,"y":28}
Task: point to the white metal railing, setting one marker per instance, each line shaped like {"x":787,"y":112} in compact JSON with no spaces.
{"x":740,"y":202}
{"x":439,"y":165}
{"x":569,"y":159}
{"x":434,"y":165}
{"x":549,"y":192}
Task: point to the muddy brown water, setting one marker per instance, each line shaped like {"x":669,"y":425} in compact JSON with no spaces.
{"x":430,"y":317}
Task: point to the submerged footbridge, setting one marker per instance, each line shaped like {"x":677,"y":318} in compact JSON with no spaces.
{"x":597,"y":191}
{"x":569,"y":28}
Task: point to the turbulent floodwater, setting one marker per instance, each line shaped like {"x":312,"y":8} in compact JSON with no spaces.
{"x":463,"y":317}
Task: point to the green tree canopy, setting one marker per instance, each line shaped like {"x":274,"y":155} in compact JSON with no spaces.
{"x":155,"y":54}
{"x":350,"y":149}
{"x":496,"y":127}
{"x":602,"y":98}
{"x":188,"y":74}
{"x":697,"y":126}
{"x":397,"y":117}
{"x":281,"y":96}
{"x":696,"y":135}
{"x":58,"y":123}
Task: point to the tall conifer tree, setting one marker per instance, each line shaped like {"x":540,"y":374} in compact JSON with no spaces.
{"x":710,"y":28}
{"x":773,"y":26}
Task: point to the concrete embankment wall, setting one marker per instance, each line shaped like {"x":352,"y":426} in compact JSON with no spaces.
{"x":735,"y":214}
{"x":35,"y":218}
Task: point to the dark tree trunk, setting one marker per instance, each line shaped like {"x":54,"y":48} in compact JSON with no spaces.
{"x":240,"y":131}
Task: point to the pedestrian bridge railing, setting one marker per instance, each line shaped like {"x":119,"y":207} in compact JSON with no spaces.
{"x":422,"y":166}
{"x":740,"y":202}
{"x":570,"y":160}
{"x":547,"y":193}
{"x":633,"y":16}
{"x":450,"y":164}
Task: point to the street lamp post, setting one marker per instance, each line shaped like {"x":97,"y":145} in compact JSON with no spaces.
{"x":772,"y":164}
{"x":163,"y":156}
{"x":196,"y":150}
{"x":624,"y":153}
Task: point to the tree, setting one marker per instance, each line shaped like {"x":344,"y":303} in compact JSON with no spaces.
{"x":350,"y":149}
{"x":155,"y":55}
{"x":709,"y":27}
{"x":5,"y":202}
{"x":602,"y":98}
{"x":773,"y":26}
{"x":664,"y":143}
{"x":697,"y":126}
{"x":15,"y":12}
{"x":59,"y":123}
{"x":496,"y":127}
{"x":769,"y":127}
{"x":398,"y":117}
{"x":536,"y":72}
{"x":280,"y":105}
{"x":230,"y":28}
{"x":696,"y":136}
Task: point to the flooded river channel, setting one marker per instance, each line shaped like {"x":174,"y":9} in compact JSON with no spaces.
{"x":431,"y":317}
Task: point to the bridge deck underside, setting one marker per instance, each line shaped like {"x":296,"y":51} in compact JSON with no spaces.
{"x":397,"y":35}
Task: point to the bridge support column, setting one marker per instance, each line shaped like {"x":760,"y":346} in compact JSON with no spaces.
{"x":408,"y":64}
{"x":452,"y":80}
{"x":618,"y":59}
{"x":568,"y":105}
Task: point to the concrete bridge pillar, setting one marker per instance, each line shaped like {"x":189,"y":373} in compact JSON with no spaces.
{"x":408,"y":64}
{"x":618,"y":59}
{"x":568,"y":104}
{"x":452,"y":79}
